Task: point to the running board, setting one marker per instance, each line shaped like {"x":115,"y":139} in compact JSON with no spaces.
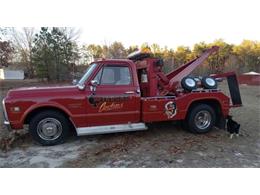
{"x":110,"y":129}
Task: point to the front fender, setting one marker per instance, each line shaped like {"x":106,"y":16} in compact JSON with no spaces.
{"x":44,"y":105}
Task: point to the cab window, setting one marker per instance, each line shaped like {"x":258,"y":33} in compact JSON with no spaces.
{"x":114,"y":75}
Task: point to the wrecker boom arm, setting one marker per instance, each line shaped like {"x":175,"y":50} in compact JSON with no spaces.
{"x":176,"y":75}
{"x":166,"y":83}
{"x":186,"y":69}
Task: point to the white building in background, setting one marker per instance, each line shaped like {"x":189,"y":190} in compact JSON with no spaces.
{"x":11,"y":74}
{"x":251,"y":73}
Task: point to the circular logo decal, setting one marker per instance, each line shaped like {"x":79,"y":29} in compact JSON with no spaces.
{"x":170,"y":109}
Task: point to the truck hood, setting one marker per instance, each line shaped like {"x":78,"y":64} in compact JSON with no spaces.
{"x":41,"y":91}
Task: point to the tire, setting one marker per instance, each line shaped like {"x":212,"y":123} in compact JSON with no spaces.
{"x":213,"y":83}
{"x":49,"y":128}
{"x":200,"y":119}
{"x":186,"y":86}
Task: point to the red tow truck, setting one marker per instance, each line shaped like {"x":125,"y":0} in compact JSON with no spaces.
{"x":120,"y":95}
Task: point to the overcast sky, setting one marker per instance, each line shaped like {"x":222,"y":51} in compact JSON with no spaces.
{"x":166,"y":22}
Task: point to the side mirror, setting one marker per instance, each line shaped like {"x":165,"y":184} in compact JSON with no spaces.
{"x":94,"y":84}
{"x":74,"y":82}
{"x":81,"y":86}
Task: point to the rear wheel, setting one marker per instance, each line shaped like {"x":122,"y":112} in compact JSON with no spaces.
{"x":200,"y":119}
{"x":49,"y":128}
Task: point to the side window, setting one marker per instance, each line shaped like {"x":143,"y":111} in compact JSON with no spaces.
{"x":108,"y":76}
{"x":114,"y":75}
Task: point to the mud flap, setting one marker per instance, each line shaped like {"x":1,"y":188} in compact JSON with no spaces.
{"x":221,"y":122}
{"x":234,"y":90}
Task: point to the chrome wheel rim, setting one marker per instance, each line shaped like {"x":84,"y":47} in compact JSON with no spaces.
{"x":49,"y":129}
{"x":211,"y":82}
{"x":190,"y":82}
{"x":202,"y":119}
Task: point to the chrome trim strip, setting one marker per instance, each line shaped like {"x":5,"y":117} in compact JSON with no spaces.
{"x":110,"y":129}
{"x":5,"y":112}
{"x":129,"y":92}
{"x":158,"y":97}
{"x":205,"y":90}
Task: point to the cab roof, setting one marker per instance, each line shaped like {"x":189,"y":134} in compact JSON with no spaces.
{"x":114,"y":61}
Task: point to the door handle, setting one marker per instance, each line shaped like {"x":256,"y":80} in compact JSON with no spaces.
{"x":129,"y":92}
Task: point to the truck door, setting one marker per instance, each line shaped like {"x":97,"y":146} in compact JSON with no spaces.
{"x":116,"y":99}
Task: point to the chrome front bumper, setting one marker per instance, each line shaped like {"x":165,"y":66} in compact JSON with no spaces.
{"x":7,"y":124}
{"x":6,"y":121}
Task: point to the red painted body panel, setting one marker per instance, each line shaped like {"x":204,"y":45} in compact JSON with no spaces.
{"x":151,"y":114}
{"x":115,"y":107}
{"x":68,"y":99}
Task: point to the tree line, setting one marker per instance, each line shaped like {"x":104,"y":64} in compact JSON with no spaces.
{"x":54,"y":53}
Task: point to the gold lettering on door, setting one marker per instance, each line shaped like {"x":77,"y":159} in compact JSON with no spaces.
{"x":105,"y":107}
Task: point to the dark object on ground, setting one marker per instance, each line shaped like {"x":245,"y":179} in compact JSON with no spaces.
{"x":232,"y":127}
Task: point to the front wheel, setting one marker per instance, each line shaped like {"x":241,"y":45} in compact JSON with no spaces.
{"x":49,"y":128}
{"x":200,"y":119}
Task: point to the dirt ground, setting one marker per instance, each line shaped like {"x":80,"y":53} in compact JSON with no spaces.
{"x":163,"y":145}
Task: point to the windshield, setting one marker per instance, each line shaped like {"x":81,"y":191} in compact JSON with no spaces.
{"x":87,"y":74}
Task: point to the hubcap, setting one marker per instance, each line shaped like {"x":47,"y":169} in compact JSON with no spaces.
{"x":202,"y":119}
{"x":211,"y":82}
{"x":49,"y":129}
{"x":190,"y":82}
